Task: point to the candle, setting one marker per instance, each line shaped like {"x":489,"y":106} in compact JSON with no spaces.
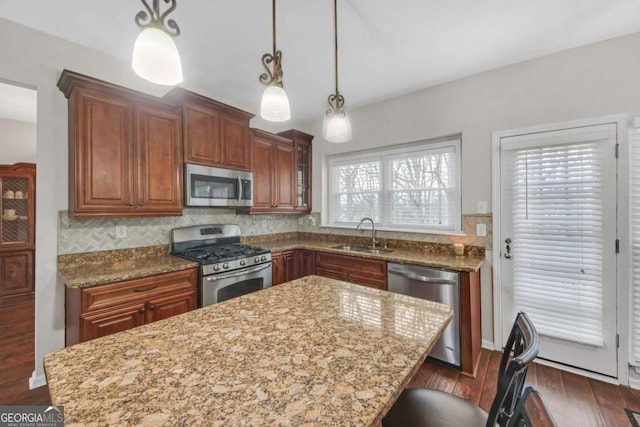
{"x":458,"y":249}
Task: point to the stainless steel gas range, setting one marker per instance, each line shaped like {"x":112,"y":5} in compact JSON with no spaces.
{"x":227,"y":268}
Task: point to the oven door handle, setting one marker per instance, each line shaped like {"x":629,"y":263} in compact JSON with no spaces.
{"x":239,"y":273}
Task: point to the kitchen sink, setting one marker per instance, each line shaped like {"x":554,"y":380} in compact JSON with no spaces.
{"x":361,"y":249}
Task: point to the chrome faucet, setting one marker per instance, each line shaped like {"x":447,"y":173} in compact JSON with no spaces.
{"x":374,"y":242}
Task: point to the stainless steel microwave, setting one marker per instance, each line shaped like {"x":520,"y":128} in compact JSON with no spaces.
{"x":209,"y":186}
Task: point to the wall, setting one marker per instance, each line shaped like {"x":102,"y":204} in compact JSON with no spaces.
{"x":590,"y":81}
{"x":18,"y":141}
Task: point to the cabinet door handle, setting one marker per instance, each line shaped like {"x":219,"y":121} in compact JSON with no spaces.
{"x":152,"y":307}
{"x":14,"y":271}
{"x":131,"y":204}
{"x":140,"y":203}
{"x":141,"y":311}
{"x":145,"y":289}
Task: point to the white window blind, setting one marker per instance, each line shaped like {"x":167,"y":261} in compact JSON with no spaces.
{"x":414,"y":187}
{"x":557,"y":217}
{"x":634,"y":149}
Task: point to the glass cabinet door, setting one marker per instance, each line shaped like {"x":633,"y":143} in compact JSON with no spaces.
{"x":303,"y":176}
{"x":15,"y":211}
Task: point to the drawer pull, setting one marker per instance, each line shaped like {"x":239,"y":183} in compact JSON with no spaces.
{"x":14,"y":271}
{"x":141,"y":311}
{"x":145,"y":289}
{"x":152,"y":307}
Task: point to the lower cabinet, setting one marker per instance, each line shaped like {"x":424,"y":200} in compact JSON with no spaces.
{"x":16,"y":273}
{"x":106,"y":309}
{"x":305,"y":263}
{"x":284,"y":267}
{"x":362,"y":271}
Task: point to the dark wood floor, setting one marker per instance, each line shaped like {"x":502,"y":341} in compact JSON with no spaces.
{"x":17,"y":354}
{"x":572,"y":399}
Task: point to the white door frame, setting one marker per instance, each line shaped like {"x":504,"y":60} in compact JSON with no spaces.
{"x":623,"y":298}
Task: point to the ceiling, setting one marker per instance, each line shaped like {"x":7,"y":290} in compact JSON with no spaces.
{"x":386,"y":48}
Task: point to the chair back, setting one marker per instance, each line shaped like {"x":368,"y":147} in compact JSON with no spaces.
{"x":521,"y":349}
{"x":531,"y":411}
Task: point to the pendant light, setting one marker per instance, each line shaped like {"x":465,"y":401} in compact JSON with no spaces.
{"x":155,"y":56}
{"x":275,"y":103}
{"x":336,"y":126}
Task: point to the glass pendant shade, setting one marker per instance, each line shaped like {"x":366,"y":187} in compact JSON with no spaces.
{"x":156,"y":57}
{"x":275,"y":104}
{"x":336,"y":127}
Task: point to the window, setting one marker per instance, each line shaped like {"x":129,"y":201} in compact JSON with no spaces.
{"x":412,"y":187}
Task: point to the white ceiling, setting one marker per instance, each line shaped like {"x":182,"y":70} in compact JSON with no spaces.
{"x":386,"y":48}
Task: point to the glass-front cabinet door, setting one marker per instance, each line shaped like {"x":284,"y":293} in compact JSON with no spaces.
{"x":17,"y":206}
{"x":302,"y":144}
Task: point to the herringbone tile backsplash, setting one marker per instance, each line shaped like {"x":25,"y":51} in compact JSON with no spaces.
{"x":90,"y":235}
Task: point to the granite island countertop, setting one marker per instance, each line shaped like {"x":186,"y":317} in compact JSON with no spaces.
{"x":313,"y":352}
{"x":402,"y":255}
{"x":98,"y":268}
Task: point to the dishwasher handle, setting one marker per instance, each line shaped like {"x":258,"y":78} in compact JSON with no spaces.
{"x":426,"y":279}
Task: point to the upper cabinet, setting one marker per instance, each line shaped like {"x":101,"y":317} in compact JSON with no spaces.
{"x":273,"y":174}
{"x":125,"y":151}
{"x":214,"y":134}
{"x":302,"y":148}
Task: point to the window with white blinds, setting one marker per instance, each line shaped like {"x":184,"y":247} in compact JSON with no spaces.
{"x":634,"y":151}
{"x":557,"y":222}
{"x":415,"y":187}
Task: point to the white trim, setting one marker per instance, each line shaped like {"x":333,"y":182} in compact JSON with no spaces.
{"x":37,"y":381}
{"x":620,"y":120}
{"x":634,"y":383}
{"x":489,"y":345}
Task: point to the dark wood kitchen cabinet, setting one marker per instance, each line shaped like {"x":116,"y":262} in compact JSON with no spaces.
{"x":125,"y":151}
{"x":273,"y":174}
{"x":302,"y":168}
{"x":305,"y":263}
{"x":214,"y":134}
{"x":17,"y":229}
{"x":284,"y":267}
{"x":362,"y":271}
{"x":106,"y":309}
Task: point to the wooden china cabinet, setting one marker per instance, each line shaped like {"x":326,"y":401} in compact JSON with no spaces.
{"x":17,"y":229}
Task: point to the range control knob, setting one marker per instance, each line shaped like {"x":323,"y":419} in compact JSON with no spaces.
{"x":216,"y":267}
{"x":243,"y":262}
{"x":256,"y":259}
{"x":225,"y":265}
{"x":263,"y":258}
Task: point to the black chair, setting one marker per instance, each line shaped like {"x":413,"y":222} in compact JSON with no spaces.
{"x":421,"y":407}
{"x":531,"y":411}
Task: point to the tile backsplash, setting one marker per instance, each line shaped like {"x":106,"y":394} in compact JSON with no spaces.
{"x":91,"y":235}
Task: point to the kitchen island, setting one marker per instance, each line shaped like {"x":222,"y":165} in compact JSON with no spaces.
{"x":313,"y":351}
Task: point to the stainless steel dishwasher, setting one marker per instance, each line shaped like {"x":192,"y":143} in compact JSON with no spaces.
{"x":434,"y":285}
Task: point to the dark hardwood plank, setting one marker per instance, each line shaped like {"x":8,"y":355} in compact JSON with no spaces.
{"x":445,"y":379}
{"x":581,"y":406}
{"x":17,"y":330}
{"x":610,"y":403}
{"x":488,"y":391}
{"x":470,"y":388}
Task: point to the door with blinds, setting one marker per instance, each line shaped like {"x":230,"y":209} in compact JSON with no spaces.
{"x":558,"y":196}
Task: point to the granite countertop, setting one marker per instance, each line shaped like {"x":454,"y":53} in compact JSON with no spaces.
{"x":402,"y":255}
{"x":98,"y":268}
{"x":311,"y":352}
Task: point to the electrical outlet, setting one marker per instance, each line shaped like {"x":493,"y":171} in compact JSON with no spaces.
{"x":312,"y":220}
{"x":481,"y":207}
{"x":481,"y":230}
{"x":121,"y":231}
